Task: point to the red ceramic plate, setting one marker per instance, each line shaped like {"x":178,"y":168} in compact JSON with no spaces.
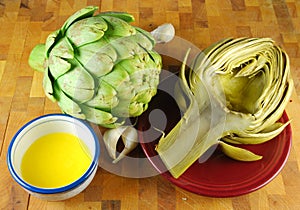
{"x":219,"y":176}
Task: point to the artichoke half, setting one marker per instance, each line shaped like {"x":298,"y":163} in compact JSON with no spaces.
{"x":238,"y":89}
{"x":99,"y":67}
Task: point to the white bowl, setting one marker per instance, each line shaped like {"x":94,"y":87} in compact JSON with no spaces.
{"x":44,"y":125}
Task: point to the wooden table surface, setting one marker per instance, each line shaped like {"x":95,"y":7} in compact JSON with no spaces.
{"x":25,"y":23}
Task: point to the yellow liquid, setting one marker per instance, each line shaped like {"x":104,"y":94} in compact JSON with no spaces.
{"x":55,"y":160}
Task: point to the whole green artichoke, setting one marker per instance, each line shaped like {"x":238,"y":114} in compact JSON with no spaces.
{"x":99,"y":68}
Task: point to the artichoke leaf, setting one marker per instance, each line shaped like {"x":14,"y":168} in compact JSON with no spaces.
{"x":137,"y":71}
{"x":155,"y":57}
{"x":120,"y":80}
{"x":100,"y":54}
{"x":78,"y":84}
{"x":86,"y":31}
{"x":51,"y":40}
{"x":47,"y":86}
{"x":137,"y":108}
{"x":126,"y":47}
{"x":143,"y":40}
{"x":144,"y":96}
{"x":124,"y":108}
{"x":274,"y":109}
{"x":136,"y":64}
{"x":37,"y":58}
{"x":257,"y":138}
{"x":105,"y":64}
{"x":98,"y":116}
{"x":147,"y":34}
{"x":143,"y":71}
{"x":105,"y":98}
{"x":237,"y":153}
{"x":67,"y":105}
{"x":58,"y":56}
{"x":144,"y":76}
{"x":58,"y":66}
{"x":118,"y":27}
{"x":81,"y":14}
{"x":282,"y":99}
{"x":63,"y":49}
{"x":121,"y":15}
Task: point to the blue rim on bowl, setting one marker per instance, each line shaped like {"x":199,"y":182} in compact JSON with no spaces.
{"x":84,"y":177}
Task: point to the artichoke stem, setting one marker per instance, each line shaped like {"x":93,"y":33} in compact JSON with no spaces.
{"x":37,"y":58}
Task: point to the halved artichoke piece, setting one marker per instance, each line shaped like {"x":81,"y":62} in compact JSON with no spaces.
{"x":241,"y":87}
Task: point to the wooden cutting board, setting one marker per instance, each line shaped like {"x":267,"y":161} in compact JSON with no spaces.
{"x":25,"y":23}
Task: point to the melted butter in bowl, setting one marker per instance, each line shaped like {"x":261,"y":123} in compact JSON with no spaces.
{"x":54,"y":157}
{"x":55,"y":160}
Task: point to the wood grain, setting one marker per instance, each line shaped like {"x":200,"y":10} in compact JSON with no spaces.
{"x":25,"y":23}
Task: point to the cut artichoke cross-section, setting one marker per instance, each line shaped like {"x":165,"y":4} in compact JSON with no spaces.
{"x":241,"y":87}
